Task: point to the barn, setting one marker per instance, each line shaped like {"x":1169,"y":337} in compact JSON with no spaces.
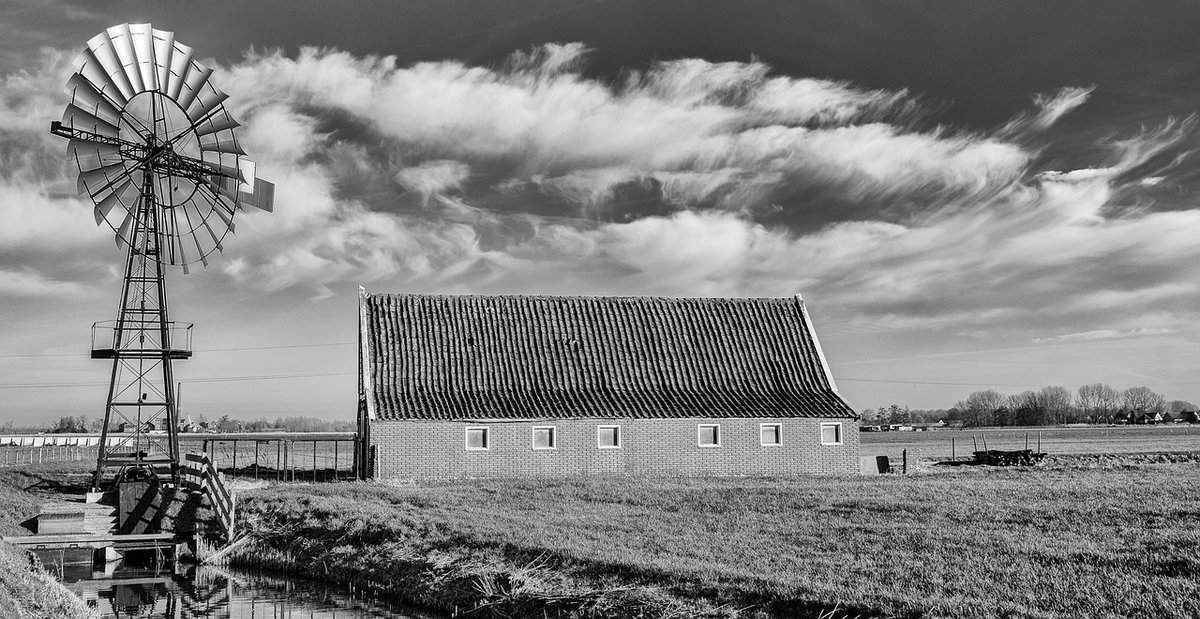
{"x":546,"y":386}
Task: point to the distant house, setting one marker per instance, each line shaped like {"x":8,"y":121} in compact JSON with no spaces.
{"x":1149,"y":418}
{"x":541,"y":386}
{"x":130,"y":426}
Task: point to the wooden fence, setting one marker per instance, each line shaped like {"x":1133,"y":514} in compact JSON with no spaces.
{"x":199,"y":475}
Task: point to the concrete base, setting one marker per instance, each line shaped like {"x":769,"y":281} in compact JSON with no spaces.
{"x":93,"y":497}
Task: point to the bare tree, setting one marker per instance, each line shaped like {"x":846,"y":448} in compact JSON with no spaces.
{"x":1098,"y":401}
{"x":1055,"y":402}
{"x":1143,"y":400}
{"x":1025,"y":409}
{"x":981,"y":406}
{"x":1179,"y":406}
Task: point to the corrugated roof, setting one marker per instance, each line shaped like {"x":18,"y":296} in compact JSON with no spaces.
{"x":535,"y":357}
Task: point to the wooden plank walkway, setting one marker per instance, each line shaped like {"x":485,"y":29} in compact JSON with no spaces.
{"x":82,"y":539}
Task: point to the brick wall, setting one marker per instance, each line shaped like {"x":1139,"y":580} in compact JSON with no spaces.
{"x":424,"y":449}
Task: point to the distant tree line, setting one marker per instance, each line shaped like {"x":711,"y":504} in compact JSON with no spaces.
{"x":1051,"y":405}
{"x":81,"y":424}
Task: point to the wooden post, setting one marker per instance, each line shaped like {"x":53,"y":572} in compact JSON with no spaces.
{"x":335,"y":460}
{"x":904,"y":455}
{"x":234,"y":456}
{"x":314,"y":461}
{"x":1039,"y":441}
{"x":974,"y":443}
{"x":952,"y":454}
{"x":1026,"y":441}
{"x":256,"y":459}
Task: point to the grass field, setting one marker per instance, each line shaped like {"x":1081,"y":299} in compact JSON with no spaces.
{"x":1084,"y":440}
{"x":1065,"y":540}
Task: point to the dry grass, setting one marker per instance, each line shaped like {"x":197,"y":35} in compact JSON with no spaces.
{"x":1097,"y":540}
{"x":26,"y":591}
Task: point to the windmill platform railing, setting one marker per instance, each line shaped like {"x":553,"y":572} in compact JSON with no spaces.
{"x":105,"y":344}
{"x":199,"y":475}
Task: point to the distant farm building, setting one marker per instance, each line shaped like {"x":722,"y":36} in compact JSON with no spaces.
{"x":539,"y":386}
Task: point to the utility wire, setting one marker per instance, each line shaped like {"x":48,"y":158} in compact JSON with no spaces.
{"x":209,"y":379}
{"x":237,"y":349}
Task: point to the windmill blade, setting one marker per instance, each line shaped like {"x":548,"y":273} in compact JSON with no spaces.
{"x":123,"y":229}
{"x":104,"y":54}
{"x":91,"y":155}
{"x":104,"y":190}
{"x":164,"y":46}
{"x":213,"y":234}
{"x":79,"y":118}
{"x":223,"y":211}
{"x":183,"y":254}
{"x":181,"y":65}
{"x":214,"y":145}
{"x":196,"y":77}
{"x":195,"y":238}
{"x":127,"y":191}
{"x":207,"y":100}
{"x":122,"y":42}
{"x":100,"y":176}
{"x":93,"y":72}
{"x":142,"y":42}
{"x":229,"y":172}
{"x":224,"y":186}
{"x":86,"y":97}
{"x":219,"y":122}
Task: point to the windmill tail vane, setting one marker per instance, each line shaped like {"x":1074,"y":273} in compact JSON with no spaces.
{"x":157,"y":153}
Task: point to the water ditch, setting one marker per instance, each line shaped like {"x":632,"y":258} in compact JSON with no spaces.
{"x":140,"y":587}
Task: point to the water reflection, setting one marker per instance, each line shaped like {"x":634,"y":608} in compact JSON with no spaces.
{"x":220,"y":593}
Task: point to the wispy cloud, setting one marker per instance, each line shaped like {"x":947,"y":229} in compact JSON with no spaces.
{"x":1100,"y":334}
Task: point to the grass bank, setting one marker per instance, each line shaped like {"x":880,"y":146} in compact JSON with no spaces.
{"x":26,"y":590}
{"x":1067,"y":540}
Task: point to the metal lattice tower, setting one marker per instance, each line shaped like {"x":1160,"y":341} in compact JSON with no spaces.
{"x":143,"y":343}
{"x":156,"y":153}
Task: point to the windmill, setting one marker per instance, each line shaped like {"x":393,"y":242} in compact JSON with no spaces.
{"x":156,"y":153}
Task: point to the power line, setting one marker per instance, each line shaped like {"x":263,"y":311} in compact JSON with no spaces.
{"x":209,"y":379}
{"x":928,"y":382}
{"x":236,"y":349}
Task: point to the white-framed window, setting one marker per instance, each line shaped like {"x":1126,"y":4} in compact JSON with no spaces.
{"x":770,"y":434}
{"x":708,"y":435}
{"x":477,"y":439}
{"x":608,"y":437}
{"x":831,"y":434}
{"x":545,"y":437}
